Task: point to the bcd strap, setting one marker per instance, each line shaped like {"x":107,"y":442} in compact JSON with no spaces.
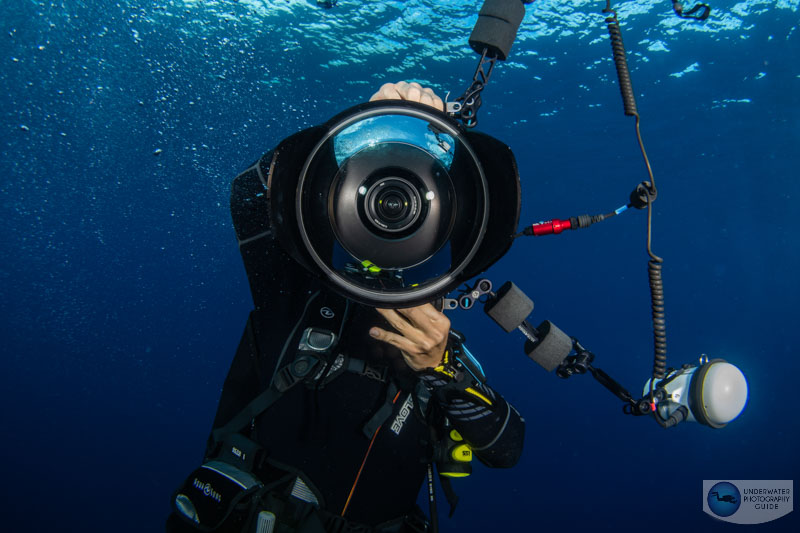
{"x":360,"y":367}
{"x":344,"y":363}
{"x":382,"y":414}
{"x":323,"y":317}
{"x":257,"y":406}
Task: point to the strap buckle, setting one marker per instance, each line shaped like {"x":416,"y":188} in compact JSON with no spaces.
{"x":315,"y":346}
{"x":317,"y":341}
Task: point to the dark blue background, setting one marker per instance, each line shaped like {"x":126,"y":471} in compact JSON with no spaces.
{"x":123,"y":295}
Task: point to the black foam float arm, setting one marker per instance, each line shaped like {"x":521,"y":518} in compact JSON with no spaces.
{"x":496,"y":28}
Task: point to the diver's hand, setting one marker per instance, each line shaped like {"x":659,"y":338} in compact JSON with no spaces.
{"x":413,"y":92}
{"x":423,"y":333}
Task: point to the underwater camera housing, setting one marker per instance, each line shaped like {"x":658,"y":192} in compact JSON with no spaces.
{"x":393,"y":204}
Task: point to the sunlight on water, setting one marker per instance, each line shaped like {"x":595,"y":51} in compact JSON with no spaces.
{"x":358,"y":33}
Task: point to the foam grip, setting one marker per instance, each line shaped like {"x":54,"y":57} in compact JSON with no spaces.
{"x":496,"y":28}
{"x":553,"y":347}
{"x":510,"y":307}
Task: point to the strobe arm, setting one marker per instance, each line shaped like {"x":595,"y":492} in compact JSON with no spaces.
{"x":553,"y":349}
{"x":581,"y":362}
{"x":546,"y":345}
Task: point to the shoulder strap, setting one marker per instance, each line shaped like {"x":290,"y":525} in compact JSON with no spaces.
{"x":383,"y":413}
{"x":318,"y":329}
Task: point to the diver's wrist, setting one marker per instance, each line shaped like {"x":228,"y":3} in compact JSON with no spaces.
{"x":443,"y":373}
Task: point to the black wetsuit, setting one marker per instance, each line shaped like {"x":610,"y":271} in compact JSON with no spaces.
{"x":320,"y":431}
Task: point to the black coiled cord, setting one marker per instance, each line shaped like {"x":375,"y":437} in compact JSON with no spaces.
{"x":659,"y":322}
{"x":621,"y":62}
{"x":649,"y":193}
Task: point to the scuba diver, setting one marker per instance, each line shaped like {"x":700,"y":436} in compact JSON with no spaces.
{"x":336,"y":407}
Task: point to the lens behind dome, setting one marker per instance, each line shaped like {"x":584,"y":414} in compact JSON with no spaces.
{"x":392,"y":205}
{"x":395,"y":217}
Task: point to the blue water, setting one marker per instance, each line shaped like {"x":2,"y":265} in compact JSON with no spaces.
{"x":123,"y":295}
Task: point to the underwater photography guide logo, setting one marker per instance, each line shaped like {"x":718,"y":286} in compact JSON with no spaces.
{"x":748,"y":501}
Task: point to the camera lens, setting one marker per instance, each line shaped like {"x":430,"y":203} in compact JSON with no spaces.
{"x":392,"y":204}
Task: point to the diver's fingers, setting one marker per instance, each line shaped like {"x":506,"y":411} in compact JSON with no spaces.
{"x":426,"y":96}
{"x":414,"y":92}
{"x":424,"y":326}
{"x":405,"y":328}
{"x":388,"y":91}
{"x":432,"y":100}
{"x":409,"y":91}
{"x":430,"y":321}
{"x":437,"y":102}
{"x":426,"y":99}
{"x":404,"y":86}
{"x":415,"y":359}
{"x":394,"y":339}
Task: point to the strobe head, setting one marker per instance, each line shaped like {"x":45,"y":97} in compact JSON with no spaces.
{"x":714,"y":392}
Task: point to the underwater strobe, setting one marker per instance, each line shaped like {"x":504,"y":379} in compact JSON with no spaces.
{"x":711,"y":392}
